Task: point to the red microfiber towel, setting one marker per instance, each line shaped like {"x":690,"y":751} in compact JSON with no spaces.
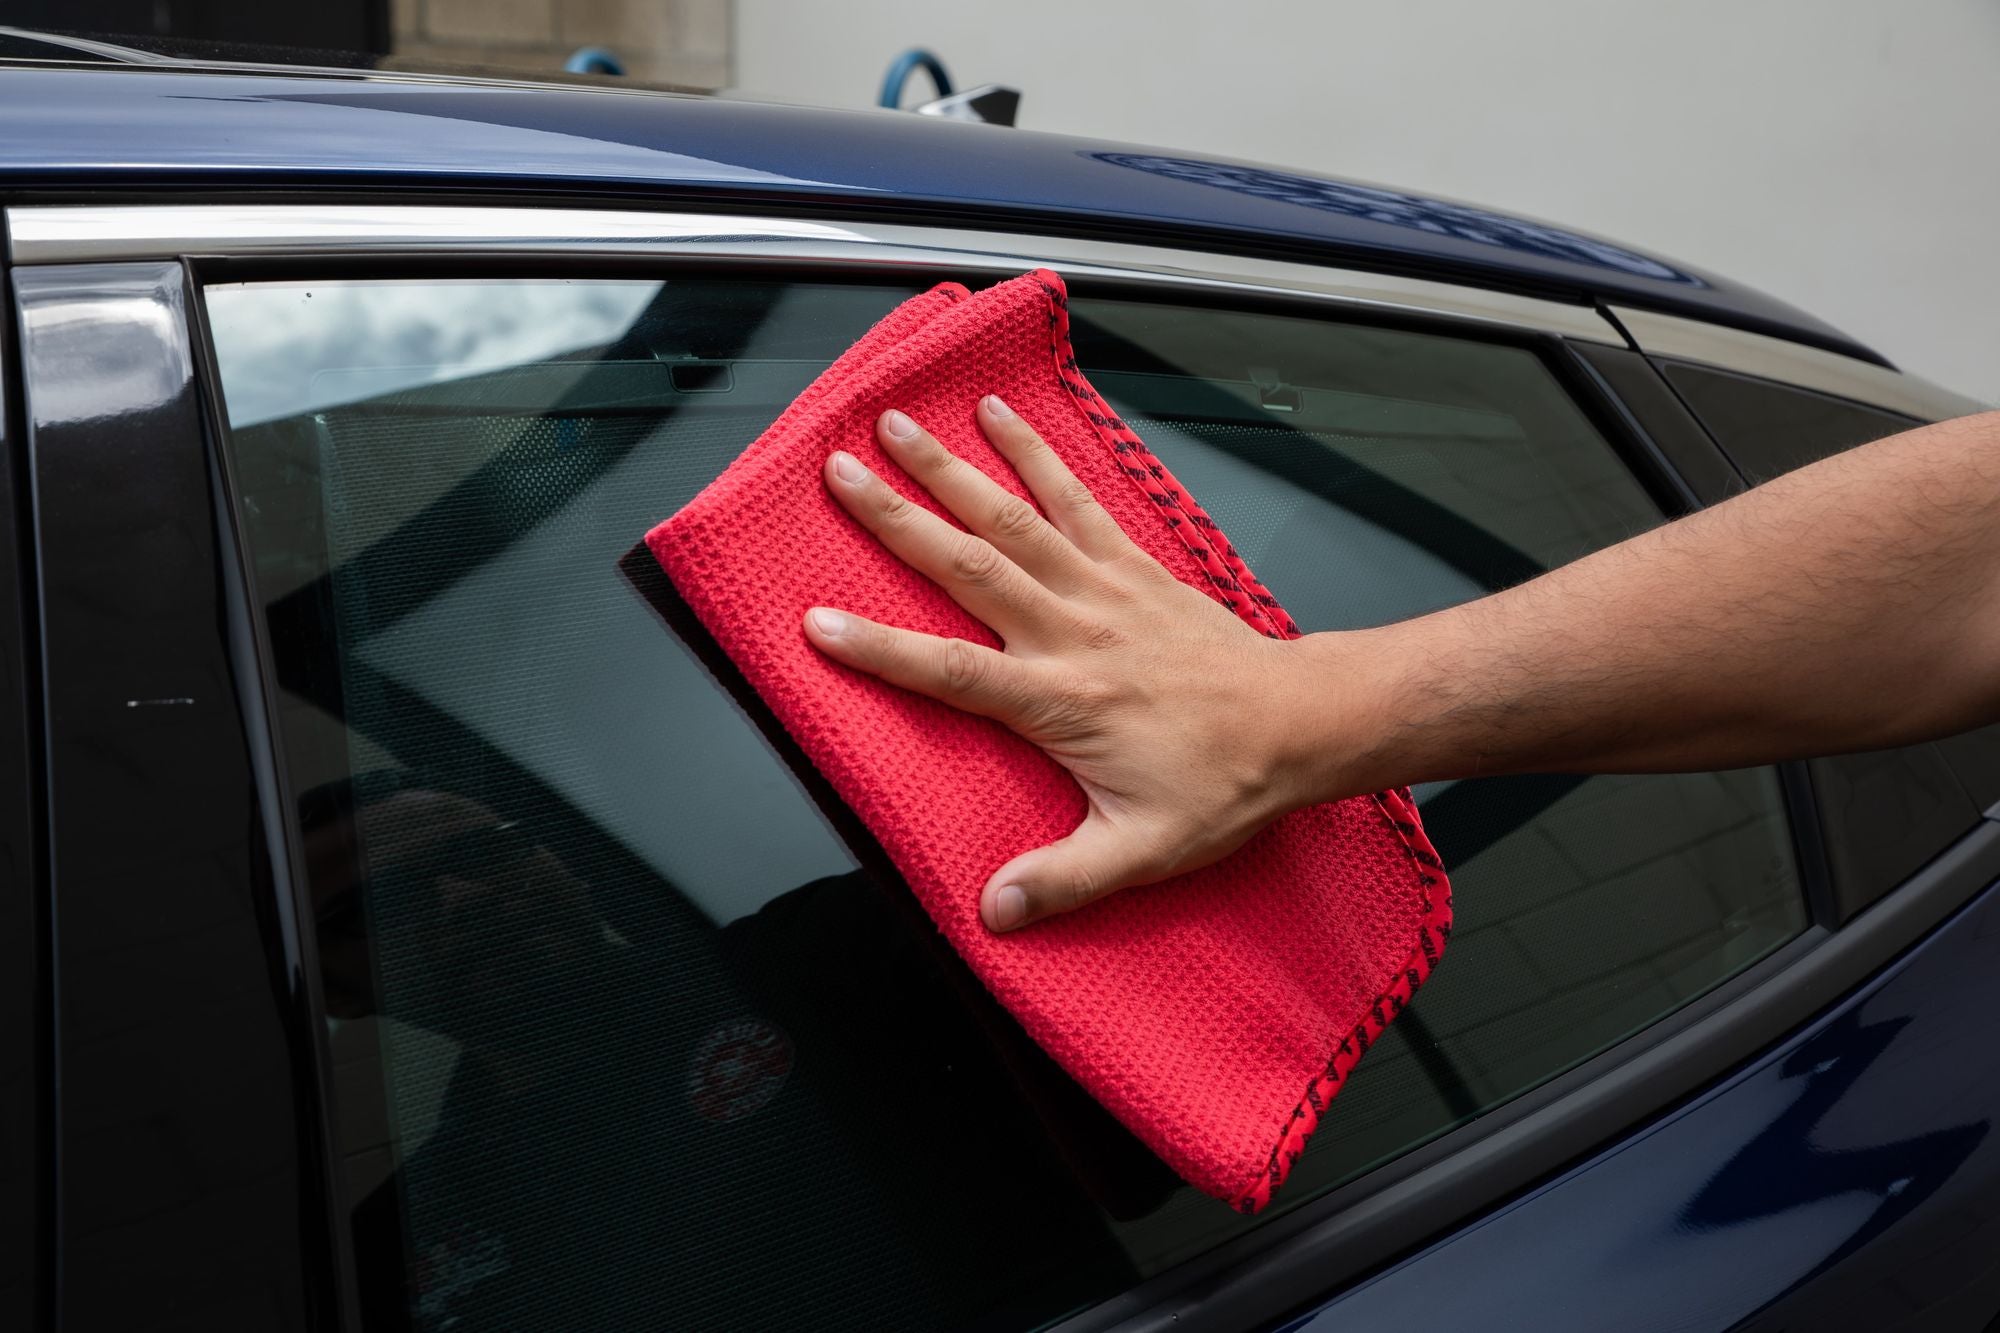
{"x":1215,"y":1014}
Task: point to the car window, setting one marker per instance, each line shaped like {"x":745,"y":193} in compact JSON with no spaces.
{"x":627,"y":1014}
{"x":1935,"y":791}
{"x":1767,"y":428}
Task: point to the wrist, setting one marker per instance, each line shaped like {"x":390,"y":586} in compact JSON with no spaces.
{"x":1349,"y":728}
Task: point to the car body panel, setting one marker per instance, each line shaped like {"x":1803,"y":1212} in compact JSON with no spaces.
{"x":183,"y":1120}
{"x":1843,"y":1179}
{"x":168,"y":128}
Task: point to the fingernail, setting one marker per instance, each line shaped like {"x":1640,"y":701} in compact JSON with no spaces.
{"x":997,"y":409}
{"x":830,"y":623}
{"x":848,"y":468}
{"x":898,"y":425}
{"x":1010,"y":907}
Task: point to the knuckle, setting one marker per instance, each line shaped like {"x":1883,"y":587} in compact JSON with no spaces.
{"x":1014,"y":519}
{"x":1139,"y":566}
{"x":928,"y":457}
{"x":1097,"y":636}
{"x":961,"y":667}
{"x":1073,"y":494}
{"x":1078,"y":889}
{"x":869,"y":641}
{"x":889,"y":502}
{"x":1072,"y":706}
{"x":975,"y":562}
{"x":1026,"y":445}
{"x":1097,"y":694}
{"x":1115,"y":591}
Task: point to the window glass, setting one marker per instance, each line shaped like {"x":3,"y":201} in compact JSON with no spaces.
{"x":626,"y":1013}
{"x":1768,"y":429}
{"x":1936,"y":791}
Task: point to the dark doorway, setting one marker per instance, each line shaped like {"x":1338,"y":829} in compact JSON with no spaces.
{"x":329,"y":25}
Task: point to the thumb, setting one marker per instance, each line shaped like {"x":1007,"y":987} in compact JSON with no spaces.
{"x":1096,"y":860}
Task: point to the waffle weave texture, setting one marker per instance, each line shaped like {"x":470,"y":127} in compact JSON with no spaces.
{"x":1215,"y":1014}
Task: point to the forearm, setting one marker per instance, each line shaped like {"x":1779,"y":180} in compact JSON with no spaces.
{"x":1850,"y":605}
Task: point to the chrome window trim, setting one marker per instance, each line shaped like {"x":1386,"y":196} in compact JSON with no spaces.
{"x":1793,"y":363}
{"x":55,"y":234}
{"x":94,"y":53}
{"x":64,"y":234}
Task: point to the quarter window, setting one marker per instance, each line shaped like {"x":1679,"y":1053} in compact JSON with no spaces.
{"x":626,"y":1016}
{"x":1936,"y":791}
{"x":1768,"y":429}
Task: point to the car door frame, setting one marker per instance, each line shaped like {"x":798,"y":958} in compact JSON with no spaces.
{"x":188,"y":1158}
{"x":27,"y":1158}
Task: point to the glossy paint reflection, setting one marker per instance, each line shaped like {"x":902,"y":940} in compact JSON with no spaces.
{"x":1791,"y":1165}
{"x":1843,"y":1181}
{"x":1439,"y":217}
{"x":172,"y":125}
{"x":108,"y":376}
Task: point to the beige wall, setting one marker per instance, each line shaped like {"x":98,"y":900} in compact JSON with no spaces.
{"x":683,"y":42}
{"x":1841,"y":154}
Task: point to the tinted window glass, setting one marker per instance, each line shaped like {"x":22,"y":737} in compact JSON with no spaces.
{"x":1884,"y":815}
{"x":626,"y":1014}
{"x":1975,"y":758}
{"x":1768,"y":429}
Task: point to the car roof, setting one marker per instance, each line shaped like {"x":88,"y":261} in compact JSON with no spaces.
{"x":173,"y":126}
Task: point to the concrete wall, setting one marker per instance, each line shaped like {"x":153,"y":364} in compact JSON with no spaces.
{"x":683,"y":42}
{"x":1841,"y":154}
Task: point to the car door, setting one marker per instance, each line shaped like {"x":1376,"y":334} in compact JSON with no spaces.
{"x":539,"y":980}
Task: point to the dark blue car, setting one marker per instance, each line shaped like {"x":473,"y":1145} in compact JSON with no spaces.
{"x":411,"y":925}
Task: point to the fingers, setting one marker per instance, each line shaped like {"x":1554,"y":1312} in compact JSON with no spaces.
{"x":987,"y":508}
{"x":1068,"y":502}
{"x":976,"y":574}
{"x":1096,"y":860}
{"x":965,"y":675}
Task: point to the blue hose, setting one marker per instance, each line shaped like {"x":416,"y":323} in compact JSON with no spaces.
{"x":899,"y":73}
{"x":593,"y":60}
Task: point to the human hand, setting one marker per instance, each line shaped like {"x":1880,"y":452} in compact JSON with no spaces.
{"x":1182,"y":725}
